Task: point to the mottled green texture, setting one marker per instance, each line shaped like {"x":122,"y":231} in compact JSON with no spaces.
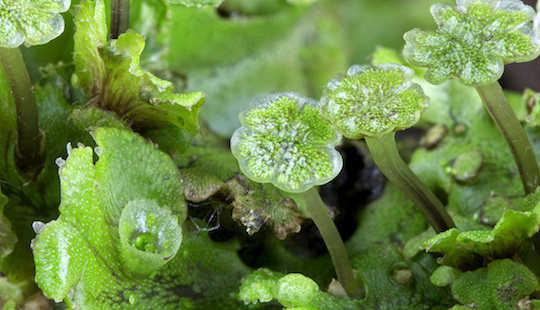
{"x":469,"y":248}
{"x":258,"y":286}
{"x":32,"y":22}
{"x":474,"y":40}
{"x":445,"y":275}
{"x":286,"y":141}
{"x":373,"y":101}
{"x":499,"y":286}
{"x":109,"y":71}
{"x":133,"y":189}
{"x":293,"y":291}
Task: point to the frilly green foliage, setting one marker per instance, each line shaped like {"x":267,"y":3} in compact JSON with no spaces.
{"x":465,"y":249}
{"x":286,"y":141}
{"x":32,"y":22}
{"x":136,"y":96}
{"x":258,"y":286}
{"x":373,"y":100}
{"x":499,"y":286}
{"x":105,"y":209}
{"x":472,"y":248}
{"x":474,"y":40}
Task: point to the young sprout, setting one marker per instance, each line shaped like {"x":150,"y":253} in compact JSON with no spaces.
{"x":473,"y":42}
{"x":31,"y":22}
{"x":286,"y":141}
{"x":372,"y":103}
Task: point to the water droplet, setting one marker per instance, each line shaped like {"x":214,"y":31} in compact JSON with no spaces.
{"x":132,"y":299}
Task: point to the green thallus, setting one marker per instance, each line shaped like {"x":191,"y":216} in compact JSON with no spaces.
{"x":372,"y":103}
{"x":32,"y":22}
{"x":286,"y":141}
{"x":473,"y":42}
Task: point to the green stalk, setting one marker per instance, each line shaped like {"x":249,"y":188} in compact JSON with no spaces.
{"x":506,"y":121}
{"x":334,"y":244}
{"x":119,"y":18}
{"x":28,"y":156}
{"x":386,"y":155}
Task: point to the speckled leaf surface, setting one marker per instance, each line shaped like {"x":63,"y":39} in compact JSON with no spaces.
{"x":109,"y":213}
{"x":474,"y":40}
{"x":372,"y":101}
{"x":135,"y":95}
{"x":285,"y":140}
{"x":32,"y":22}
{"x":499,"y":286}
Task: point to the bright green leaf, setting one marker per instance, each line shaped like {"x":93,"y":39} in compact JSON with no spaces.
{"x":60,"y":251}
{"x":469,"y":248}
{"x":121,"y":214}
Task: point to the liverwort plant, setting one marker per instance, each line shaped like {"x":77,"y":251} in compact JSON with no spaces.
{"x":473,"y":42}
{"x":32,"y":22}
{"x":372,"y":103}
{"x":286,"y":141}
